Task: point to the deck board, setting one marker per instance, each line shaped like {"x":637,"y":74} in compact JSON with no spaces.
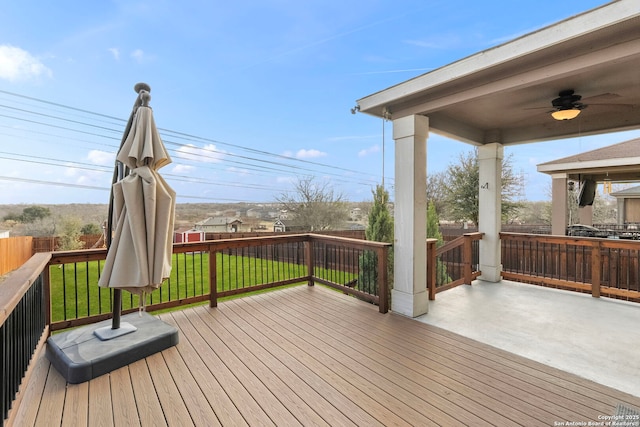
{"x":100,"y":401}
{"x":313,"y":356}
{"x":225,"y":410}
{"x":396,"y":371}
{"x":123,"y":399}
{"x":474,"y":374}
{"x":150,"y":411}
{"x":50,"y":410}
{"x":76,"y":406}
{"x":405,"y":407}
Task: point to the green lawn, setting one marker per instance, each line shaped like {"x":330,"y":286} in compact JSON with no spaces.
{"x":75,"y":292}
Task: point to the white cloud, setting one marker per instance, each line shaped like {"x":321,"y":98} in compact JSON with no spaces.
{"x":102,"y":158}
{"x":352,"y":138}
{"x":367,"y":151}
{"x":18,"y":65}
{"x":182,"y":168}
{"x":238,"y":171}
{"x":207,"y":154}
{"x":70,"y":171}
{"x":115,"y":52}
{"x":285,"y":179}
{"x":439,"y":42}
{"x":138,"y":55}
{"x":310,"y":154}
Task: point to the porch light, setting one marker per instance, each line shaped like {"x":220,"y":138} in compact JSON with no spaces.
{"x":566,"y":114}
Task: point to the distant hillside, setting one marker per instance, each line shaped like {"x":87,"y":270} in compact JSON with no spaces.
{"x":186,"y":213}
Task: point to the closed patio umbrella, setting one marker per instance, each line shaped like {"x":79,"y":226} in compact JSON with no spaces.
{"x":142,"y":208}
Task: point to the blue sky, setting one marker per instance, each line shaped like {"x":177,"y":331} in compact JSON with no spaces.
{"x":250,"y":95}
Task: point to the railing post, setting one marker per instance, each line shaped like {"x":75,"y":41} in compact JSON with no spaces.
{"x":309,"y":254}
{"x":213,"y":278}
{"x":467,"y":255}
{"x":431,"y":268}
{"x":383,"y":284}
{"x":46,"y":284}
{"x":595,"y":269}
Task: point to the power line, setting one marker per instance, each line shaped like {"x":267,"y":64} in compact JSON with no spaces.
{"x":249,"y":166}
{"x":91,"y":187}
{"x":185,"y":136}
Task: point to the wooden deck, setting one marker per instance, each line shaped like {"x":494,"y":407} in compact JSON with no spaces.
{"x":312,"y":356}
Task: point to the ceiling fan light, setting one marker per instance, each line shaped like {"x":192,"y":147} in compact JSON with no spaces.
{"x":566,"y":114}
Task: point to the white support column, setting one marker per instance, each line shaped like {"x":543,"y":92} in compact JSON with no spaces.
{"x":585,"y":214}
{"x":490,"y":210}
{"x":622,"y":212}
{"x":409,"y":296}
{"x":559,"y":204}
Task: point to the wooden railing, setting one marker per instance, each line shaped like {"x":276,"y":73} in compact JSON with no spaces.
{"x":452,"y":264}
{"x":23,"y":326}
{"x":607,"y":267}
{"x":58,"y":290}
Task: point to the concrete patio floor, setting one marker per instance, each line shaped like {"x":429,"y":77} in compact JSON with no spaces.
{"x":595,"y":338}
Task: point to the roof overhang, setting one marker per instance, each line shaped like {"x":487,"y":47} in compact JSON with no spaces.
{"x":504,"y":94}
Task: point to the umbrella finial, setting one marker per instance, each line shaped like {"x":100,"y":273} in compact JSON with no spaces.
{"x":142,"y":89}
{"x":142,"y":86}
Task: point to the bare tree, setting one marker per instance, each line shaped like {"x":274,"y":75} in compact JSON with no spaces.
{"x":436,"y":191}
{"x":315,"y":205}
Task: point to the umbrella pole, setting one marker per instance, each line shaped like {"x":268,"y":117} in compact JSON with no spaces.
{"x":119,"y":173}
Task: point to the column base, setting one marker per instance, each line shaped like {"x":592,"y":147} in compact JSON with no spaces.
{"x":490,"y":273}
{"x":410,"y":305}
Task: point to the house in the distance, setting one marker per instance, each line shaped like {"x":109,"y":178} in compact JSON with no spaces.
{"x":287,"y":225}
{"x":219,"y":225}
{"x":186,"y":235}
{"x":628,"y":205}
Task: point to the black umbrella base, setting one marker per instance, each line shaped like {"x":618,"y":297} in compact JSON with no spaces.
{"x":79,"y":355}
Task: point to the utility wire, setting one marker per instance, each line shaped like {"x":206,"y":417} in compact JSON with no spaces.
{"x":180,"y":134}
{"x":168,"y":142}
{"x":91,"y":187}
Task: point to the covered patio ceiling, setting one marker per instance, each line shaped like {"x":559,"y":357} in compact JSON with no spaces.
{"x":504,"y":94}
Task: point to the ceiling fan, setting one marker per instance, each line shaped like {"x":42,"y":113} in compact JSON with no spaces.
{"x":567,"y":105}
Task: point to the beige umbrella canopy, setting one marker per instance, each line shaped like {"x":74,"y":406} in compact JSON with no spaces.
{"x":139,"y":256}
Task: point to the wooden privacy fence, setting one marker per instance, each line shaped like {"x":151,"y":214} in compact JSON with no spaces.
{"x":14,"y":251}
{"x":52,"y":243}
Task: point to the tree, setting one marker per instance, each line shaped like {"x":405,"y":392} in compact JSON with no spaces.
{"x":380,"y":224}
{"x":90,"y":229}
{"x":70,"y":234}
{"x":315,"y":206}
{"x":433,"y":232}
{"x":29,"y":215}
{"x":463,"y":183}
{"x":379,"y":229}
{"x":433,"y":224}
{"x":436,"y":191}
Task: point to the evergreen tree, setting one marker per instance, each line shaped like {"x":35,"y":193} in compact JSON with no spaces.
{"x":433,"y":224}
{"x":379,"y":229}
{"x":433,"y":232}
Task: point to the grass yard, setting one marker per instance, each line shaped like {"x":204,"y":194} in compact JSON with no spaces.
{"x":75,"y":292}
